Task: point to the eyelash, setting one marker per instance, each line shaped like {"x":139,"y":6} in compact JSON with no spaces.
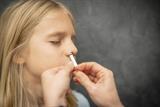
{"x":55,"y":42}
{"x":59,"y":42}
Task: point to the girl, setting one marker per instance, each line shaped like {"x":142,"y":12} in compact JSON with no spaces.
{"x":36,"y":39}
{"x":35,"y":35}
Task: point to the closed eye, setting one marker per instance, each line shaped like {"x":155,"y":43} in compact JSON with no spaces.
{"x":55,"y":42}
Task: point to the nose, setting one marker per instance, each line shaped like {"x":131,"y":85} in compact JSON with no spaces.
{"x":71,"y":49}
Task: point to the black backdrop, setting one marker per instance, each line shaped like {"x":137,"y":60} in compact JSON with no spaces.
{"x":122,"y":35}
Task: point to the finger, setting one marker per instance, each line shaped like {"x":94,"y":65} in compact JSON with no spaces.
{"x":76,"y":80}
{"x":52,"y":71}
{"x":67,"y":69}
{"x":91,"y":68}
{"x":84,"y":80}
{"x":93,"y":79}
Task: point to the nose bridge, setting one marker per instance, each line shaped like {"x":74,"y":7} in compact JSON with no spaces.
{"x":74,"y":48}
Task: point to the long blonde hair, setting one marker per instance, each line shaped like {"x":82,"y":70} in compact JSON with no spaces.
{"x":16,"y":24}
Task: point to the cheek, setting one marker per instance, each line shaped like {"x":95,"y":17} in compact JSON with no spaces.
{"x":42,"y":57}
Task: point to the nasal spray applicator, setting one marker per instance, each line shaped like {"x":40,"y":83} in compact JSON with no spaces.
{"x":73,"y":59}
{"x":75,"y":64}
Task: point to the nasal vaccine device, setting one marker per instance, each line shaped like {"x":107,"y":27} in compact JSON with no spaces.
{"x":73,"y":59}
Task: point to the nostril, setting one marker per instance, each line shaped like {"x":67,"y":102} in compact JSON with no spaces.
{"x":72,"y":52}
{"x":69,"y":53}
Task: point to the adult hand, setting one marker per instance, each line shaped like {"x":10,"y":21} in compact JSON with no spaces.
{"x":99,"y":83}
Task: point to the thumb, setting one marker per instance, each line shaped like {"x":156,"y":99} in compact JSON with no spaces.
{"x":84,"y":80}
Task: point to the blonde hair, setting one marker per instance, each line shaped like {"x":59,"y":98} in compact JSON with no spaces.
{"x":16,"y":24}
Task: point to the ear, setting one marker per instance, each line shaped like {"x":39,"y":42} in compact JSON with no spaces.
{"x":20,"y":56}
{"x":18,"y":59}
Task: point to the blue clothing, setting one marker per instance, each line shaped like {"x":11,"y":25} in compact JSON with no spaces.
{"x":82,"y":100}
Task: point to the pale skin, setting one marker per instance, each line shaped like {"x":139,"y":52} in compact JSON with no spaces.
{"x":48,"y":68}
{"x":49,"y":47}
{"x":99,"y":83}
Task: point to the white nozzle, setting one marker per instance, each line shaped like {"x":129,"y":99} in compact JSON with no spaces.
{"x":73,"y":60}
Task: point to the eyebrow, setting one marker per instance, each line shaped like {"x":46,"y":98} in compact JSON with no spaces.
{"x":60,"y":34}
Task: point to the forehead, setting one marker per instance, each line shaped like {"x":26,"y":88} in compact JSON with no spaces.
{"x":55,"y":21}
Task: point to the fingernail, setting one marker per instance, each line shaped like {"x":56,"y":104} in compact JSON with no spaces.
{"x":77,"y":81}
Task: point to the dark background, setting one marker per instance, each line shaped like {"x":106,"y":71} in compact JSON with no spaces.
{"x":124,"y":36}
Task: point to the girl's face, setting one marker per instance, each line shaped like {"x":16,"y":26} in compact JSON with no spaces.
{"x":50,"y":44}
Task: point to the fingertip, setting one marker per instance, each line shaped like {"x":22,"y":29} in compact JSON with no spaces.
{"x":74,"y":68}
{"x":69,"y":65}
{"x":74,"y":73}
{"x":78,"y":74}
{"x":83,"y":79}
{"x":81,"y":66}
{"x":75,"y":79}
{"x":77,"y":67}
